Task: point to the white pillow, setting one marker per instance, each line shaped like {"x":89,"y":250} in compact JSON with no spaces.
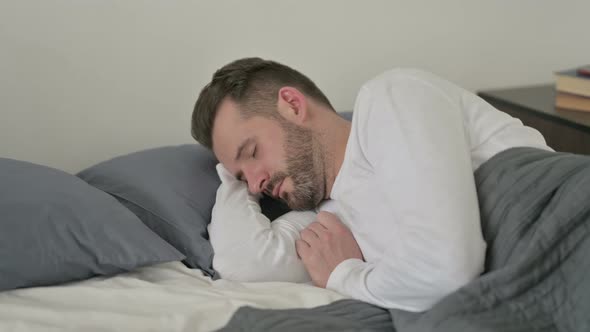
{"x":246,"y":245}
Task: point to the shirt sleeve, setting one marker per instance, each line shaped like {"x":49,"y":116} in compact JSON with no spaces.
{"x":492,"y":131}
{"x":415,"y":139}
{"x":246,"y":245}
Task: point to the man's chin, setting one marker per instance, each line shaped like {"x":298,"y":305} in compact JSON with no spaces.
{"x":301,"y":206}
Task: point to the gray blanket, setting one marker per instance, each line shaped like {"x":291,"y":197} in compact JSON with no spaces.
{"x":535,"y":214}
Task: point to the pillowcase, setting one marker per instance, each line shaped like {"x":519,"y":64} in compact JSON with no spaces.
{"x":248,"y":246}
{"x":171,"y":189}
{"x":56,"y":228}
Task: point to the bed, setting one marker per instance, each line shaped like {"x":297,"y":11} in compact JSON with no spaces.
{"x":123,"y":246}
{"x":162,"y":297}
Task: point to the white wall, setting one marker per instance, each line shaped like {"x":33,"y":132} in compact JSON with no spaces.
{"x":82,"y":81}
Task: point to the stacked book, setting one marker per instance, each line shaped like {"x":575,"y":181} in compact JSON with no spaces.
{"x":573,"y":89}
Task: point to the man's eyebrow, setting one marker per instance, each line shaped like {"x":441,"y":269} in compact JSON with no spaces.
{"x":242,"y":146}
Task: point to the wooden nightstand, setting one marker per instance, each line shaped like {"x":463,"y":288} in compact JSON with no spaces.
{"x":564,"y":130}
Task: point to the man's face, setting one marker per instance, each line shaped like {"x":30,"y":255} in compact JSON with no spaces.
{"x":274,"y":157}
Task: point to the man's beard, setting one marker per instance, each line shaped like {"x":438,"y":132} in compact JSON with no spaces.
{"x":305,"y":165}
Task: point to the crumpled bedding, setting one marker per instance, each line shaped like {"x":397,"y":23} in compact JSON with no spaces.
{"x":164,"y":297}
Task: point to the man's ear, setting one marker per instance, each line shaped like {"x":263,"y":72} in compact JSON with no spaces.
{"x":292,"y":105}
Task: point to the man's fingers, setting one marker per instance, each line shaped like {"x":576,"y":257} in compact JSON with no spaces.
{"x":330,"y":221}
{"x":322,"y":232}
{"x":309,"y":236}
{"x":317,"y":227}
{"x":302,"y":248}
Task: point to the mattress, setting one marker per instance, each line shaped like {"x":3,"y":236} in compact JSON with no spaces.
{"x":163,"y":297}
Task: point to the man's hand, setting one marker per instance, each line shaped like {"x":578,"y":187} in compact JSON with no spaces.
{"x":324,"y":244}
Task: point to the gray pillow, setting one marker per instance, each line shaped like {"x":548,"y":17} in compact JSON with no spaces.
{"x":346,"y":115}
{"x":56,"y":228}
{"x":171,"y":189}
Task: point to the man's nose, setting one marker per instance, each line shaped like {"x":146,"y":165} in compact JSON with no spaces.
{"x":257,"y":182}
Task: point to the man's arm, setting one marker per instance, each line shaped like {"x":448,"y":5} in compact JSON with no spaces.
{"x":416,"y":142}
{"x":324,"y":244}
{"x":247,"y":246}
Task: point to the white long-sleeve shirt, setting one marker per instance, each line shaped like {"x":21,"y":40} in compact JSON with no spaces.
{"x":406,"y":190}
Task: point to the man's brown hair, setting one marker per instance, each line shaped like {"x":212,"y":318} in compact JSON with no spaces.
{"x":253,"y":83}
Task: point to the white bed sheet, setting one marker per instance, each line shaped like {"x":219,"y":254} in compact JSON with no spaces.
{"x":164,"y":297}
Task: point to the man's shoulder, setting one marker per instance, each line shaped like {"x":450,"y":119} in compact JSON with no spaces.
{"x":396,"y":82}
{"x":400,"y":75}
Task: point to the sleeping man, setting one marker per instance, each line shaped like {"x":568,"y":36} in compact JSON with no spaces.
{"x":397,"y":221}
